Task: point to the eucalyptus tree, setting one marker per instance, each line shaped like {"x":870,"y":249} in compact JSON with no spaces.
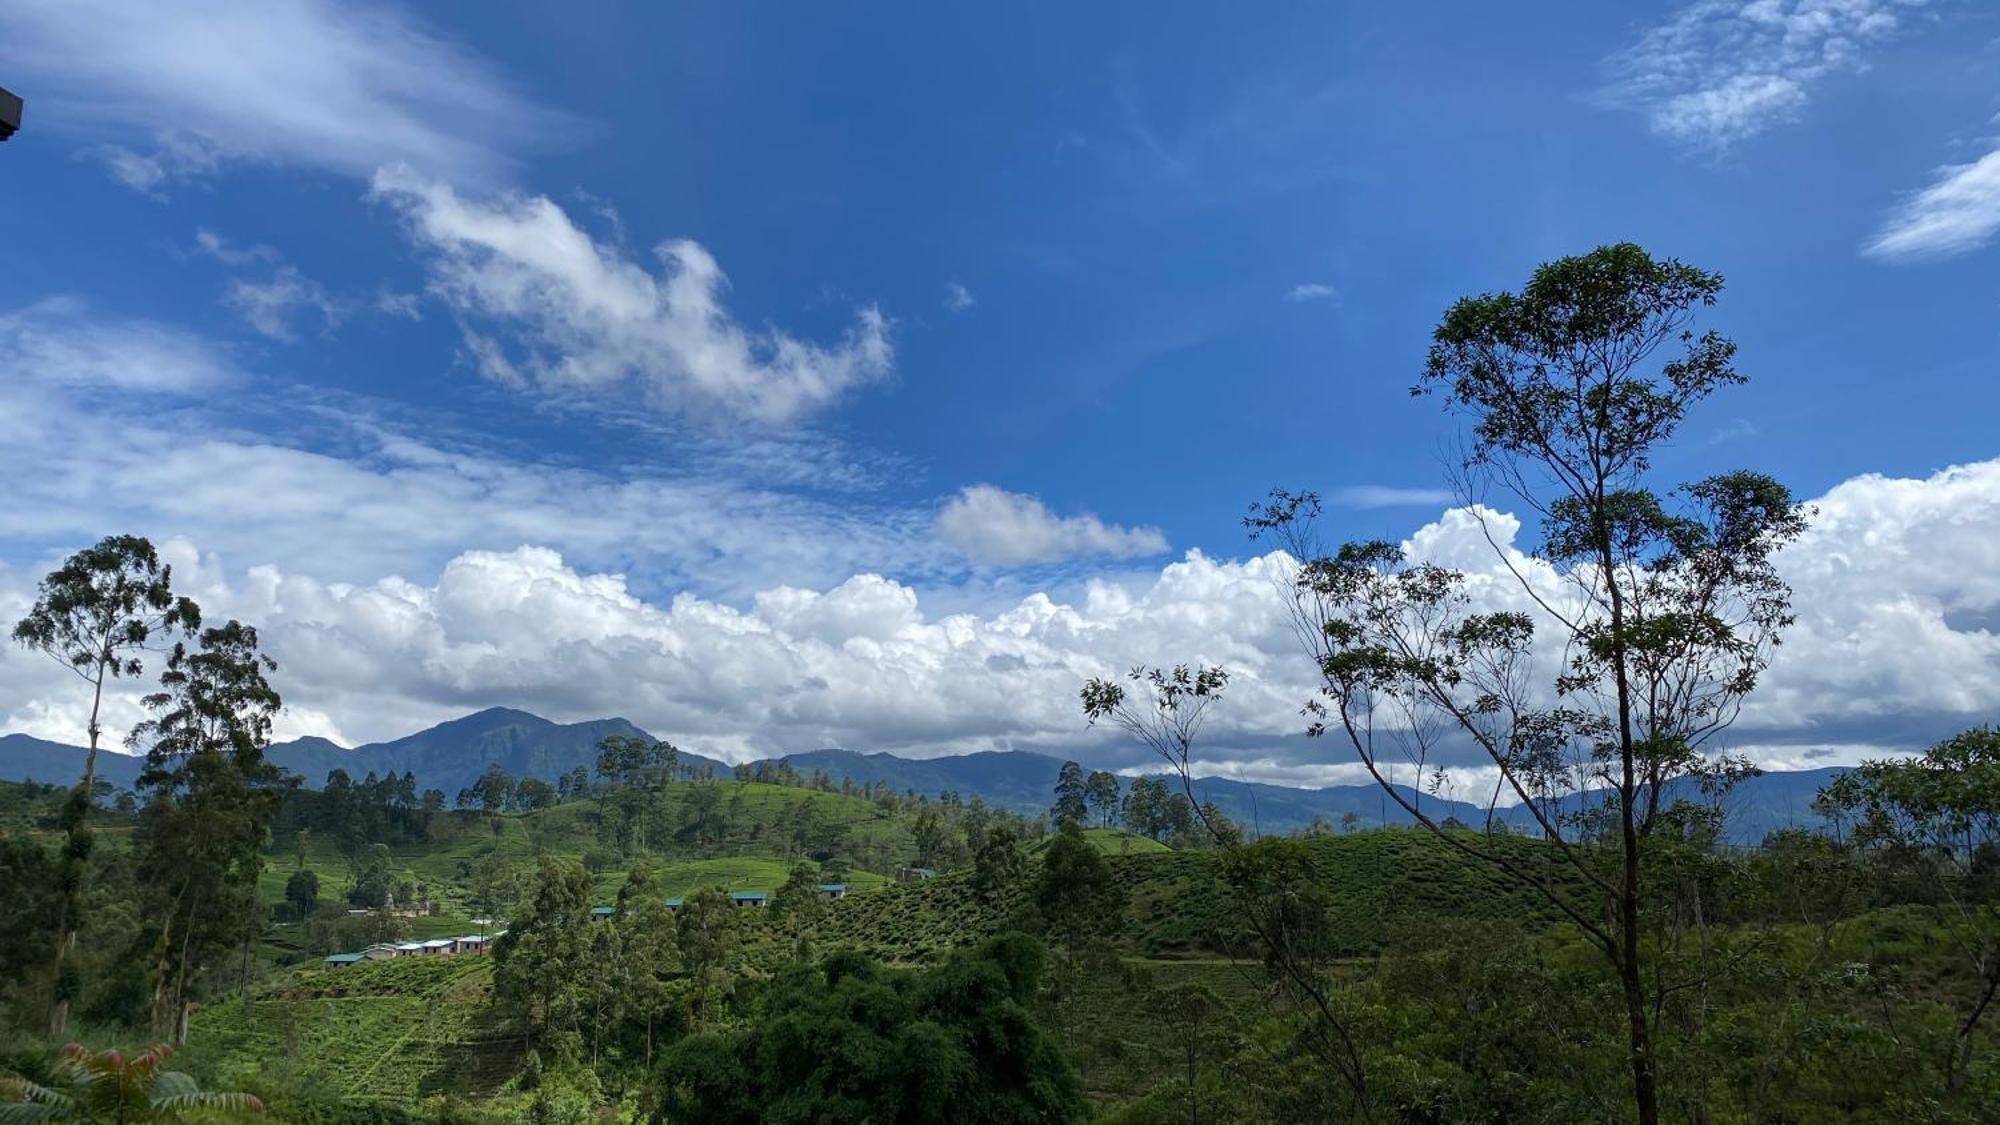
{"x":544,"y":964}
{"x":95,"y":614}
{"x":1072,"y":804}
{"x":1663,"y":606}
{"x":211,"y":796}
{"x":1100,"y":789}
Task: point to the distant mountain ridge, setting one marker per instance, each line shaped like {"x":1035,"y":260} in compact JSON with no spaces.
{"x":452,"y":755}
{"x":1024,"y":782}
{"x":449,"y":756}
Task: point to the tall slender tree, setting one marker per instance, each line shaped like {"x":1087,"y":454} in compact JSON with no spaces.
{"x":1071,"y":802}
{"x":95,"y":614}
{"x":211,"y":797}
{"x":1100,"y":789}
{"x":1664,"y":606}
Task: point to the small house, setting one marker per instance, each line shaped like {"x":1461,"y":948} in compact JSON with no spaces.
{"x":674,"y":904}
{"x":602,"y":913}
{"x":832,"y":890}
{"x":342,"y":960}
{"x":755,"y":900}
{"x":382,"y":951}
{"x":441,"y":945}
{"x":473,"y":943}
{"x":914,"y":874}
{"x":409,"y":948}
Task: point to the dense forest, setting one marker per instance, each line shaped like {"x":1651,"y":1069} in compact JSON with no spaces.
{"x":652,"y":939}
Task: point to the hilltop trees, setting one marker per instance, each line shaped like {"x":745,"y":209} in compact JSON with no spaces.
{"x":1072,"y":800}
{"x":635,"y":772}
{"x":1664,"y":605}
{"x":1100,"y":789}
{"x":95,"y":614}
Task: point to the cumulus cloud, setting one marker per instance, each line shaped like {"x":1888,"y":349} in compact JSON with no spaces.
{"x":1959,"y":211}
{"x":1898,"y":587}
{"x":402,"y":582}
{"x":585,"y":318}
{"x":1722,"y":71}
{"x":992,"y":526}
{"x":62,"y":342}
{"x":169,"y":90}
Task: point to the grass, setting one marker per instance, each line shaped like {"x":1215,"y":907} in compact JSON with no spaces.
{"x":1111,"y":841}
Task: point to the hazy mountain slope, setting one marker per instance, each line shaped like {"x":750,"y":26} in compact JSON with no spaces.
{"x":449,"y":756}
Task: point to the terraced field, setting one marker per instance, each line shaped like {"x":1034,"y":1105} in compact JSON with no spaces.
{"x":390,"y":1031}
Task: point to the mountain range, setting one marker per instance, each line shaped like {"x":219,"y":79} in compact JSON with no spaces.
{"x":451,"y":755}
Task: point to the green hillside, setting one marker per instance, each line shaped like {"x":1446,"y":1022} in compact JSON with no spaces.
{"x":407,"y":1030}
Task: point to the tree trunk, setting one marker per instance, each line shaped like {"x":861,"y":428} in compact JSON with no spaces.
{"x":1956,"y":1078}
{"x":71,"y":905}
{"x":1645,"y":1092}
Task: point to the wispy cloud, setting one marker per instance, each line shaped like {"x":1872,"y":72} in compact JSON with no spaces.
{"x":1736,"y":429}
{"x":62,"y":342}
{"x":272,"y":304}
{"x":1312,"y":291}
{"x":161,"y":91}
{"x":549,"y":306}
{"x":1959,"y":211}
{"x":1722,"y":71}
{"x":957,"y":297}
{"x":1389,"y":496}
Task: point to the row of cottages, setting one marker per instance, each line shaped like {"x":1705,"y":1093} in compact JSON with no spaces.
{"x":742,"y":900}
{"x":386,"y":950}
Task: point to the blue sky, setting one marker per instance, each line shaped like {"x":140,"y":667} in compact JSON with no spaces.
{"x":1021,"y":307}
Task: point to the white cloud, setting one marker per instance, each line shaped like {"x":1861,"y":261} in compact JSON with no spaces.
{"x":402,"y":582}
{"x":272,"y":304}
{"x":992,"y":526}
{"x":344,"y":87}
{"x":1958,"y":212}
{"x":231,"y":253}
{"x":1897,"y":644}
{"x":1312,"y":291}
{"x":1388,"y":496}
{"x":1736,"y":429}
{"x":60,"y":342}
{"x":589,"y":319}
{"x":957,"y":297}
{"x":1722,"y":71}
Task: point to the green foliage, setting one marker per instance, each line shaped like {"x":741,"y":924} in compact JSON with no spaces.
{"x":1072,"y":802}
{"x":544,"y":964}
{"x":114,"y":1086}
{"x":94,"y":614}
{"x":849,"y":1042}
{"x":1075,"y":892}
{"x":211,"y":795}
